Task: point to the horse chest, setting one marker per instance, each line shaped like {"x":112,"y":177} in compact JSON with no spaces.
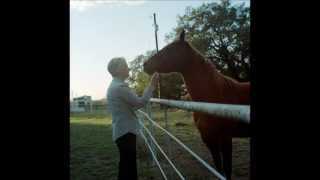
{"x":210,"y":125}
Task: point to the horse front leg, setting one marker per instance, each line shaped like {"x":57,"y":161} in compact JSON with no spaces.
{"x":215,"y":151}
{"x":226,"y":148}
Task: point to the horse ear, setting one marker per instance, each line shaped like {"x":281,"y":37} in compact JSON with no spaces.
{"x":182,"y":35}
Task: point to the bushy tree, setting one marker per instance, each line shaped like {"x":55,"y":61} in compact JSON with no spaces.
{"x":221,"y":32}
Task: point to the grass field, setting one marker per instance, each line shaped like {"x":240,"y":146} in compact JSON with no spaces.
{"x":94,"y":156}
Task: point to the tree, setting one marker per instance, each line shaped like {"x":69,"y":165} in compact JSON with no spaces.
{"x":138,"y":79}
{"x":171,"y":86}
{"x":221,"y":32}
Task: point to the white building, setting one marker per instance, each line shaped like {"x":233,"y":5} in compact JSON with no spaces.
{"x":81,"y":104}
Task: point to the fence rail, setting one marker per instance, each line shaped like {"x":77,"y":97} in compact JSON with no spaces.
{"x":160,"y":149}
{"x":153,"y":154}
{"x":205,"y":164}
{"x":239,"y":112}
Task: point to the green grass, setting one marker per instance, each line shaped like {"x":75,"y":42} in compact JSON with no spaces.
{"x":95,"y":156}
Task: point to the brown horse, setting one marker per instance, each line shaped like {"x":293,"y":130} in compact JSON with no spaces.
{"x":205,"y":83}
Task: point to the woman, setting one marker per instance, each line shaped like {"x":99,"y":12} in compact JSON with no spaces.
{"x":123,"y":102}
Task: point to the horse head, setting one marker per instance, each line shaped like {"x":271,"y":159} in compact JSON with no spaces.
{"x":172,"y":58}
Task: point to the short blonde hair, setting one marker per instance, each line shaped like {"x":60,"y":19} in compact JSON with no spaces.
{"x":115,"y":64}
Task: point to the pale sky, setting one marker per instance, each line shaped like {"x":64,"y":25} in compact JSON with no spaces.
{"x":101,"y":30}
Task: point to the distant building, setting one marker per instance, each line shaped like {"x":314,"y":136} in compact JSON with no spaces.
{"x":81,"y":104}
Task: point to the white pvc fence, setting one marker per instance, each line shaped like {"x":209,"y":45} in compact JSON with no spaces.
{"x":239,"y":112}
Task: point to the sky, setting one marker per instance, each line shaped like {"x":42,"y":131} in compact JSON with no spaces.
{"x":103,"y":29}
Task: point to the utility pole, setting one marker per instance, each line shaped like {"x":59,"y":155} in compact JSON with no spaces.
{"x":156,"y":29}
{"x":155,"y":33}
{"x":149,"y":104}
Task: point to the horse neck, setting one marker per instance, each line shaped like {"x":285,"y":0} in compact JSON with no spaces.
{"x":205,"y":83}
{"x":200,"y":80}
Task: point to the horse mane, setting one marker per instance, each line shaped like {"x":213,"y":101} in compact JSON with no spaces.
{"x":200,"y":56}
{"x":212,"y":69}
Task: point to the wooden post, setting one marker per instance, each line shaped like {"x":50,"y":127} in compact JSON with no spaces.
{"x":156,"y":36}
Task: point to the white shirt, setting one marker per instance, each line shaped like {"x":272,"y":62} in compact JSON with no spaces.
{"x":122,"y":103}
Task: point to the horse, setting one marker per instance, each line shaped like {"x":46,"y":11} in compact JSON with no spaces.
{"x":205,"y":84}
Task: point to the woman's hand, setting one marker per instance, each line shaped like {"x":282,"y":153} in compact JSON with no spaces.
{"x":154,"y":80}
